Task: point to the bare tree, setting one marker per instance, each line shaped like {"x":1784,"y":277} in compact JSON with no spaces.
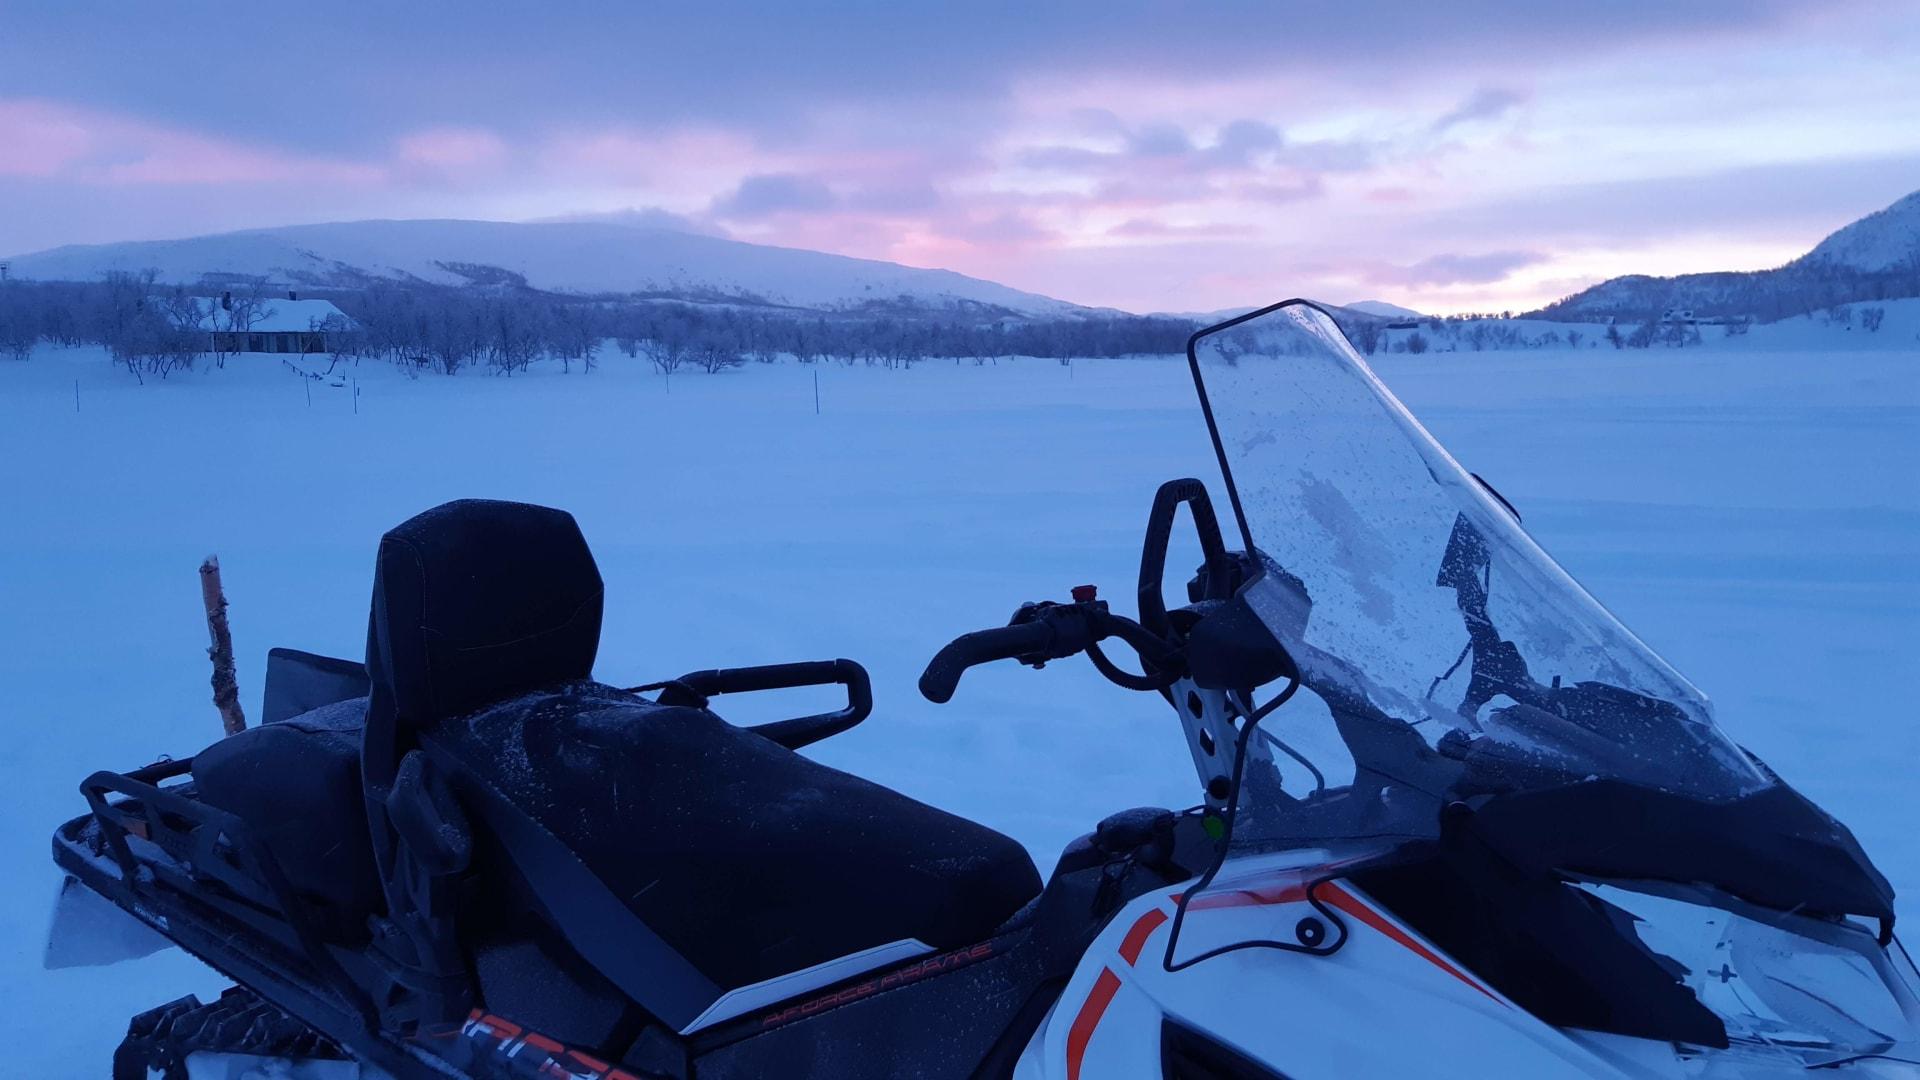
{"x":21,"y":321}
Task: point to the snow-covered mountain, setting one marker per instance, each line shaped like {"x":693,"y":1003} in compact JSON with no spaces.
{"x":579,"y":257}
{"x":1384,"y":309}
{"x":1882,"y":241}
{"x":1875,"y":258}
{"x":1378,"y":309}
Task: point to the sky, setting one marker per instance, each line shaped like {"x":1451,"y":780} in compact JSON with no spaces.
{"x":1476,"y":155}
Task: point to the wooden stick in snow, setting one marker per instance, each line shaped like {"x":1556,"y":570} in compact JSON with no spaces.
{"x":226,"y":686}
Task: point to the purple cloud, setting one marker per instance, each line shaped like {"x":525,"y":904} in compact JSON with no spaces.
{"x":1486,"y":103}
{"x":767,"y":194}
{"x":1453,"y":269}
{"x":1242,"y":140}
{"x":1159,"y":141}
{"x":646,"y":217}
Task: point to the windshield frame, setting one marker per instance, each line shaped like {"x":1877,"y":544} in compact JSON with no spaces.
{"x":1492,"y":524}
{"x":1206,"y":403}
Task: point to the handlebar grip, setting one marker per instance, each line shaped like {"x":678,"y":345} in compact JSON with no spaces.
{"x":801,"y":730}
{"x":942,"y":676}
{"x":749,"y":680}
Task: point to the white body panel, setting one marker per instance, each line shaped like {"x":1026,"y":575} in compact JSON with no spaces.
{"x":1387,"y":1003}
{"x":745,"y":999}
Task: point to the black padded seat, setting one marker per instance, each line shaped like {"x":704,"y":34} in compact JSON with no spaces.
{"x":679,"y":855}
{"x":747,"y":858}
{"x":296,"y":782}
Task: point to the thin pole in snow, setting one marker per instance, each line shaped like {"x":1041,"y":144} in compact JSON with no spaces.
{"x":76,"y":395}
{"x":816,"y":391}
{"x":308,"y":383}
{"x":356,"y":397}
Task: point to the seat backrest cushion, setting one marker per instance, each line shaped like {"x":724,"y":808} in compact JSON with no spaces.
{"x":478,"y":600}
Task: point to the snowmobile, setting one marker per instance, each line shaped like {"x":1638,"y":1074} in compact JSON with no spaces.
{"x":1453,"y":819}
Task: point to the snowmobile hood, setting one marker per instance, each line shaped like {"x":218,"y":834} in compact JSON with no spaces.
{"x":1460,"y":665}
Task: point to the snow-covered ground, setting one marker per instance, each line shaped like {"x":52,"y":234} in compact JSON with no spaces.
{"x":1753,"y":513}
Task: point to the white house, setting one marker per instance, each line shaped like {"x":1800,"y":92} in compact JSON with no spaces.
{"x":287,"y":325}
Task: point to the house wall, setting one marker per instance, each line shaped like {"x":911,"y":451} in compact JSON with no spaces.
{"x":271,"y":341}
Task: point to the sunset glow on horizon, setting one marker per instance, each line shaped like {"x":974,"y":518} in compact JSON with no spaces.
{"x":1473,"y":157}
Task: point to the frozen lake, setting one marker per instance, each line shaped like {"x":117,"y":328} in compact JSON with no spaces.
{"x":1755,"y":516}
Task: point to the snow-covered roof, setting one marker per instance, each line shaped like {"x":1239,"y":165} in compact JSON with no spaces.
{"x":273,"y":316}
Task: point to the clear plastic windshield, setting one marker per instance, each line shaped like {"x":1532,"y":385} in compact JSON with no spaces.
{"x":1450,"y":654}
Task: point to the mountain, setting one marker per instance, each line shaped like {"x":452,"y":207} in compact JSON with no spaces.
{"x":589,"y":257}
{"x":1384,"y":310}
{"x":1883,"y":240}
{"x":1376,"y":309}
{"x":1875,"y":258}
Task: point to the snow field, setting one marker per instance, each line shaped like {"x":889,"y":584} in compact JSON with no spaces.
{"x":1753,"y":513}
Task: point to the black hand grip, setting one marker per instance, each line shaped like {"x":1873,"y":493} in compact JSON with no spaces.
{"x":943,"y":673}
{"x":747,"y":680}
{"x":801,"y":730}
{"x":1153,"y":552}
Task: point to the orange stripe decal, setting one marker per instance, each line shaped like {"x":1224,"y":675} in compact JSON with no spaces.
{"x":1352,"y":905}
{"x":1136,"y":938}
{"x":1107,"y":985}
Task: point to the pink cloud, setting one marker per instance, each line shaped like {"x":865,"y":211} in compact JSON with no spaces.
{"x":450,"y":148}
{"x":683,"y":158}
{"x":39,"y":139}
{"x":1152,"y":229}
{"x":49,"y":140}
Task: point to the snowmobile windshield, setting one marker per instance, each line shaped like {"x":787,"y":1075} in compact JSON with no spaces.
{"x":1449,"y":652}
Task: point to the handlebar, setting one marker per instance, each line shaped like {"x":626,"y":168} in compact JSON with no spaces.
{"x":1051,"y":631}
{"x":942,"y":676}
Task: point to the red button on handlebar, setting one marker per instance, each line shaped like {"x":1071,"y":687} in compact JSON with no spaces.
{"x":1084,"y":593}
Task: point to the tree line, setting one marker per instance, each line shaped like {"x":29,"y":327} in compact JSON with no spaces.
{"x":154,"y":328}
{"x":1801,"y":288}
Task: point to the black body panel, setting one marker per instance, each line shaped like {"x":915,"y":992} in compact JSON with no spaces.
{"x":1773,"y":847}
{"x":300,"y":682}
{"x":1563,"y":955}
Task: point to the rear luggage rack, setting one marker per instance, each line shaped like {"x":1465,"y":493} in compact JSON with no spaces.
{"x":154,"y":851}
{"x":203,"y":843}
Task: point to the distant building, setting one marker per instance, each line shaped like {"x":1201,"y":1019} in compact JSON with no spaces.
{"x":289,"y":325}
{"x":1680,"y":316}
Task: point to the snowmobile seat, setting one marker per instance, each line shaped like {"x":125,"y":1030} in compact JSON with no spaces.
{"x":679,"y":856}
{"x":296,"y":782}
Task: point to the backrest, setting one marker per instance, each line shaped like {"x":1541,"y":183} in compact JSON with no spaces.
{"x":474,"y":601}
{"x":478,"y":600}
